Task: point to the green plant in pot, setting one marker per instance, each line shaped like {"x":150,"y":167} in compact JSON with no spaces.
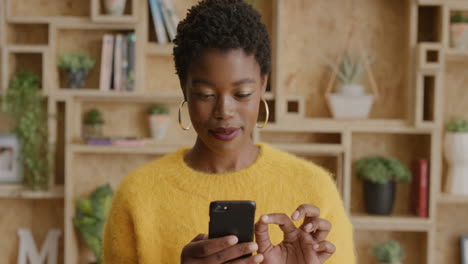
{"x":380,"y":175}
{"x":158,"y":116}
{"x":76,"y":66}
{"x":456,"y":155}
{"x":91,"y":215}
{"x":93,"y":122}
{"x":25,"y":103}
{"x":390,"y":252}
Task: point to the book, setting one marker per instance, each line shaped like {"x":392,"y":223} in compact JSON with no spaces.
{"x":124,"y":65}
{"x":130,"y":85}
{"x":420,"y":188}
{"x":171,"y":10}
{"x":118,"y":62}
{"x":158,"y":22}
{"x":106,"y":62}
{"x":167,"y":20}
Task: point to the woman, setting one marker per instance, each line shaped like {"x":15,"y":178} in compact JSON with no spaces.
{"x":222,"y":58}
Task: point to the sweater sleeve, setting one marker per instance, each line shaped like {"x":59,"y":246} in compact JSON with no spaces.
{"x":341,"y":233}
{"x":119,"y":245}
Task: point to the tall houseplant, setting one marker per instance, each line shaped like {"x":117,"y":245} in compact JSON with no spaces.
{"x":456,"y":154}
{"x":390,"y":252}
{"x":76,"y":66}
{"x":379,"y":175}
{"x":24,"y":102}
{"x":350,"y":100}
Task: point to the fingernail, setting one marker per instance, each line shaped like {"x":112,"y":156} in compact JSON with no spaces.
{"x":258,"y":258}
{"x":316,"y":246}
{"x":295,"y":215}
{"x":253,"y":247}
{"x":232,"y":240}
{"x":308,"y":227}
{"x":265,"y":218}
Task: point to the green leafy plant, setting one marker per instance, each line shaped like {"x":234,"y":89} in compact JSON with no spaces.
{"x":350,"y":70}
{"x":24,"y":102}
{"x":75,"y":62}
{"x":457,"y":125}
{"x":388,"y":252}
{"x":91,"y":214}
{"x":378,"y":169}
{"x":158,"y":109}
{"x":93,"y":117}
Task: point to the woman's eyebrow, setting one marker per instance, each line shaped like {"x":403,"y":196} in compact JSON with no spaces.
{"x":202,"y":81}
{"x":243,"y":81}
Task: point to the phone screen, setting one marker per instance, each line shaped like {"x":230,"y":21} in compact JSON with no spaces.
{"x":232,"y":218}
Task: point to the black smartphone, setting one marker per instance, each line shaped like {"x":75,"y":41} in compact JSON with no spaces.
{"x":232,"y":218}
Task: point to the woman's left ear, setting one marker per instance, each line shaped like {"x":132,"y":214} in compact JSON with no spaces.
{"x":264,"y":83}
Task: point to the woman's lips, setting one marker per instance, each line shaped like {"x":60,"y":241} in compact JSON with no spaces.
{"x":225,"y":134}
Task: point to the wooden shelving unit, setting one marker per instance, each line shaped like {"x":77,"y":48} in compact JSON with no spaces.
{"x":420,"y":75}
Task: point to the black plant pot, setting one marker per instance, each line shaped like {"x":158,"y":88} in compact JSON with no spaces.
{"x":76,"y":79}
{"x":379,"y":198}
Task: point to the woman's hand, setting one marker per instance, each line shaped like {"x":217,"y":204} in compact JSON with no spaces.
{"x":303,"y":245}
{"x":219,"y":250}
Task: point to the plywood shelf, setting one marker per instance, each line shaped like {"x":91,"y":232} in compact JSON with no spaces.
{"x":155,"y":149}
{"x":17,"y":191}
{"x":456,"y":55}
{"x":97,"y":95}
{"x":333,"y":149}
{"x":392,"y":223}
{"x":453,"y":199}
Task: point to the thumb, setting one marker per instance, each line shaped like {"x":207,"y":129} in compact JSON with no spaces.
{"x":262,"y":237}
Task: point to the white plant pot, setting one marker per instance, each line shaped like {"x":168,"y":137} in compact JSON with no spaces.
{"x":159,"y":125}
{"x":459,"y":35}
{"x":456,"y":154}
{"x":351,"y":90}
{"x":350,"y":107}
{"x":114,"y":7}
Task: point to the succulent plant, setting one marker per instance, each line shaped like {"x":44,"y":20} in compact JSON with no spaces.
{"x":457,"y":125}
{"x":388,"y":252}
{"x":76,"y":61}
{"x":93,"y":117}
{"x":380,"y":169}
{"x":350,"y":70}
{"x":158,"y":109}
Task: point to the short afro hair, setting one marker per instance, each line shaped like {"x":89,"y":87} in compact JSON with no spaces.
{"x":222,"y":25}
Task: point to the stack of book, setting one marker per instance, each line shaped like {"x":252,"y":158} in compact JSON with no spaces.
{"x":117,"y":62}
{"x":165,"y":20}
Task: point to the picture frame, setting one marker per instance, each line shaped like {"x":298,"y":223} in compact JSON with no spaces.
{"x":9,"y":159}
{"x":464,"y":249}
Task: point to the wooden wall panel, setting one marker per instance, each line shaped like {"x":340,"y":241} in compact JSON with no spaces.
{"x":451,"y":224}
{"x":315,"y":30}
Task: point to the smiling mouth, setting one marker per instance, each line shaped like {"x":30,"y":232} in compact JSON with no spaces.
{"x":225,"y":134}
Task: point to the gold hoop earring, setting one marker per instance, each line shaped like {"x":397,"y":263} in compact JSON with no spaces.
{"x":180,"y":116}
{"x":267,"y":112}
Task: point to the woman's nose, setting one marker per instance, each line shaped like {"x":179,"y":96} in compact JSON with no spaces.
{"x":224,"y":107}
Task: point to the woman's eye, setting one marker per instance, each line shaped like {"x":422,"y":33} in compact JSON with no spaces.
{"x":204,"y":96}
{"x":243,"y":95}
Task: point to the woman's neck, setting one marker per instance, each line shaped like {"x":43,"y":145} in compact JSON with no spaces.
{"x":201,"y":158}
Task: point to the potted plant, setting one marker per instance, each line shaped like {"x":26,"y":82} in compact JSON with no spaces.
{"x":76,"y":66}
{"x":93,"y":124}
{"x":390,"y":252}
{"x":114,"y":7}
{"x":26,"y":104}
{"x":459,"y":31}
{"x":91,"y":215}
{"x":456,"y":154}
{"x":350,"y":100}
{"x":158,"y":116}
{"x":379,"y":175}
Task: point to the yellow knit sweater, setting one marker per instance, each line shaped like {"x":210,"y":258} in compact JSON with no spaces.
{"x":161,"y":206}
